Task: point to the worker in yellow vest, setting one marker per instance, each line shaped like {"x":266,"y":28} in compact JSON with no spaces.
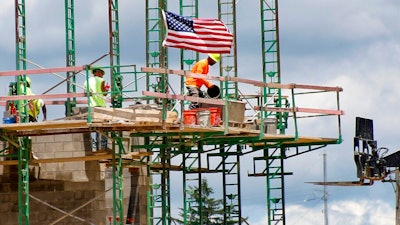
{"x":35,"y":105}
{"x":98,"y":89}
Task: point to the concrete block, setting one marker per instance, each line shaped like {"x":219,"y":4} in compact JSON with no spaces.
{"x":51,"y":167}
{"x":53,"y":147}
{"x":63,"y":175}
{"x":79,"y":176}
{"x":5,"y":187}
{"x":78,"y":153}
{"x":43,"y":139}
{"x":9,"y":219}
{"x":88,"y":194}
{"x":62,"y":154}
{"x":73,"y":146}
{"x":38,"y":147}
{"x":74,"y":166}
{"x":44,"y":155}
{"x":63,"y":138}
{"x":49,"y":175}
{"x":5,"y":207}
{"x":42,"y":217}
{"x":76,"y":186}
{"x":77,"y":137}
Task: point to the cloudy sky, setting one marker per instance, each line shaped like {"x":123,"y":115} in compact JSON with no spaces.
{"x":351,"y":44}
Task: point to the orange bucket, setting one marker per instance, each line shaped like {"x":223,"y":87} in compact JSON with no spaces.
{"x":189,"y":117}
{"x":215,"y":116}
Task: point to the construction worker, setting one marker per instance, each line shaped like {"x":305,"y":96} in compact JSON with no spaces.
{"x":34,"y":105}
{"x":193,"y":85}
{"x":22,"y":89}
{"x":98,"y":90}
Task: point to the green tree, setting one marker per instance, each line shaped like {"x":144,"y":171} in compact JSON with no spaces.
{"x":201,"y":202}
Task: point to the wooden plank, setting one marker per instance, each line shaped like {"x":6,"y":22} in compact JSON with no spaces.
{"x":241,"y":80}
{"x":46,"y":96}
{"x":136,"y":155}
{"x":45,"y":125}
{"x":305,"y":110}
{"x":59,"y":160}
{"x":41,"y":71}
{"x":62,"y":102}
{"x":322,"y":111}
{"x":133,"y":155}
{"x":184,"y":98}
{"x":181,"y":73}
{"x":316,"y":87}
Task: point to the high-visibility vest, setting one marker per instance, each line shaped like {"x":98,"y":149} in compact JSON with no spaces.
{"x":96,"y":98}
{"x":34,"y":107}
{"x":201,"y":67}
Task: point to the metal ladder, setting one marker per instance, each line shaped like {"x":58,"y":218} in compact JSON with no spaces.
{"x":116,"y":78}
{"x":188,"y":8}
{"x":24,"y":142}
{"x":158,"y":197}
{"x":192,"y":178}
{"x":229,"y":165}
{"x":275,"y":186}
{"x":272,"y":168}
{"x":156,"y":55}
{"x":271,"y":60}
{"x":228,"y":63}
{"x":70,"y":54}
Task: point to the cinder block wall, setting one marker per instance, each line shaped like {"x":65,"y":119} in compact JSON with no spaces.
{"x":59,"y":188}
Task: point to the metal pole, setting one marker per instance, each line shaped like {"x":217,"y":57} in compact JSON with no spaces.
{"x":325,"y":193}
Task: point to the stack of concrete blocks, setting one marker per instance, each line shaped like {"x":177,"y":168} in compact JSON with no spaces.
{"x":69,"y":186}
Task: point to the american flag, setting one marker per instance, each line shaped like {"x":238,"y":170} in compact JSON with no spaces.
{"x":201,"y":35}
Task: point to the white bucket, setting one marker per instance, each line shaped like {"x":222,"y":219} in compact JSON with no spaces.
{"x":203,"y":118}
{"x":270,"y":125}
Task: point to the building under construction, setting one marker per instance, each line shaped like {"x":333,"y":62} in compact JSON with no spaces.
{"x":49,"y":174}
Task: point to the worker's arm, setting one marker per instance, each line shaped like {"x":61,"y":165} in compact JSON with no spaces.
{"x":104,"y":88}
{"x":44,"y":110}
{"x":205,"y":82}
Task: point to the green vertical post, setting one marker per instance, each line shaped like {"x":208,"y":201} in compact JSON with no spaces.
{"x":115,"y":61}
{"x":23,"y":181}
{"x":156,"y":57}
{"x":70,"y":54}
{"x":275,"y":185}
{"x":23,"y":150}
{"x":188,"y":8}
{"x":271,"y":58}
{"x":228,"y":63}
{"x":272,"y":96}
{"x":20,"y":45}
{"x":156,"y":54}
{"x":117,"y":176}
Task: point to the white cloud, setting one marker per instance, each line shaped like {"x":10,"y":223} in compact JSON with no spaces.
{"x":363,"y":212}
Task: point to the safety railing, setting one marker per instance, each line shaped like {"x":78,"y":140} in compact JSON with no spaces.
{"x":299,"y":95}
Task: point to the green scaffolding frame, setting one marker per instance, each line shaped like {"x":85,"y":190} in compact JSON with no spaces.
{"x":166,"y":146}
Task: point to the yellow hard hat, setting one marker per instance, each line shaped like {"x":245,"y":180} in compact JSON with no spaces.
{"x":28,"y":80}
{"x":95,"y":68}
{"x":215,"y":57}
